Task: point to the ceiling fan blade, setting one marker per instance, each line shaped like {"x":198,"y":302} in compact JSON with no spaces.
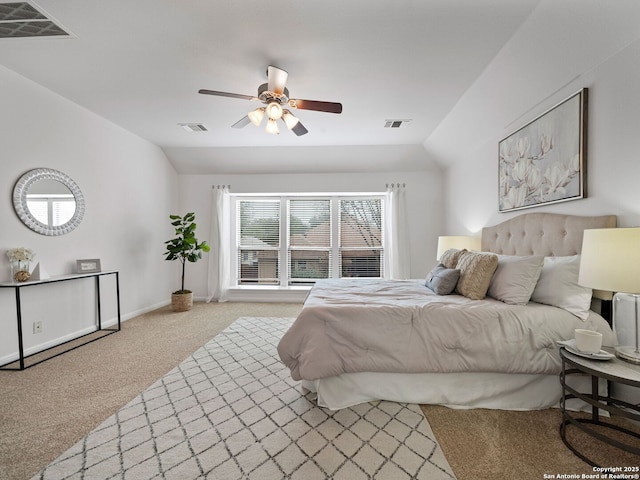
{"x":299,"y":129}
{"x":330,"y":107}
{"x":243,"y":122}
{"x":277,"y":79}
{"x":226,"y":94}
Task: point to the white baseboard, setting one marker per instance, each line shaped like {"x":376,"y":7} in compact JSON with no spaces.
{"x":51,"y":343}
{"x":235,"y":295}
{"x":142,"y":311}
{"x":111,"y":322}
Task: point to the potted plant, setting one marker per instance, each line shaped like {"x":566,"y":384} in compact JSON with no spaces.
{"x":184,"y":247}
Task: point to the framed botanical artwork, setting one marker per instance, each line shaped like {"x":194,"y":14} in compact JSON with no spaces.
{"x":545,"y":160}
{"x":88,"y":265}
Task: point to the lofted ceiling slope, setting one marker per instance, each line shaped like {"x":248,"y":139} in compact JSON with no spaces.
{"x":141,"y":63}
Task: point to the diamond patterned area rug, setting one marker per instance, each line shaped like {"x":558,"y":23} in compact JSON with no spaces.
{"x":231,"y":411}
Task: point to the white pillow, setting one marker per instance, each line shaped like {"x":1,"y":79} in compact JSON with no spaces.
{"x":515,"y":278}
{"x":558,"y":286}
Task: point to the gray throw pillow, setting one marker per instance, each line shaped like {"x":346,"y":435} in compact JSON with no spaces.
{"x":442,"y":280}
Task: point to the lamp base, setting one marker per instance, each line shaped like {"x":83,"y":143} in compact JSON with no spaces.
{"x":628,"y":354}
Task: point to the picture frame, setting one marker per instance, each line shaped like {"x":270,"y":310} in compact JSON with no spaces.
{"x":545,"y":161}
{"x":88,"y":265}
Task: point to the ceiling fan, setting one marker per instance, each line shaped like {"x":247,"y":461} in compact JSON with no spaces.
{"x":275,"y":96}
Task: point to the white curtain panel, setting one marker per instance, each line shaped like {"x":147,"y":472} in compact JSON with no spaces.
{"x":219,"y":258}
{"x":397,"y":257}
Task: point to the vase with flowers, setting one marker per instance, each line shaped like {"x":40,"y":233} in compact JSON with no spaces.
{"x":20,"y":260}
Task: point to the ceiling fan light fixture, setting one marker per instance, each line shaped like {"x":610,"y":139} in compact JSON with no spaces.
{"x":289,"y":119}
{"x":274,"y":110}
{"x":272,"y":127}
{"x":274,"y":96}
{"x":256,"y":116}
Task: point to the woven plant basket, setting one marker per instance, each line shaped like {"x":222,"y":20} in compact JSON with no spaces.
{"x":181,"y":302}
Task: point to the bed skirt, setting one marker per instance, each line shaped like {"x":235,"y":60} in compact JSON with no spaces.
{"x":454,"y":390}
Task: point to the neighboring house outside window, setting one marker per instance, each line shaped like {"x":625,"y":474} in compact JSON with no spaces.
{"x":290,"y":240}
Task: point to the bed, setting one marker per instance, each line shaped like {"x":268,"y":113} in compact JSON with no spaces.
{"x":358,"y":340}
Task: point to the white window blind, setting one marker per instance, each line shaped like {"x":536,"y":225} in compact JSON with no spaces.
{"x":361,"y":252}
{"x":309,"y":251}
{"x":258,"y":242}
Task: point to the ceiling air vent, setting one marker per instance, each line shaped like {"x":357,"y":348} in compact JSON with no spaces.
{"x":22,"y":19}
{"x":194,"y":127}
{"x":395,"y":123}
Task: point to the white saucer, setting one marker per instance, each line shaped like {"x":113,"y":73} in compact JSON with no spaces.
{"x":570,"y":345}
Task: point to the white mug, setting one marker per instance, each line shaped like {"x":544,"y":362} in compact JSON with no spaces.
{"x":588,"y":341}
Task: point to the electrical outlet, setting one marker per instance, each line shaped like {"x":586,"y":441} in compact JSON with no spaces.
{"x":37,"y":327}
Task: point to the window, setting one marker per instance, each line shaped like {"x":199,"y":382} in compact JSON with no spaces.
{"x":361,"y":253}
{"x":309,"y":246}
{"x":258,"y":240}
{"x":291,"y":240}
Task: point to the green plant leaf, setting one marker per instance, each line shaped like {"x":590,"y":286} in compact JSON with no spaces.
{"x":185,"y":246}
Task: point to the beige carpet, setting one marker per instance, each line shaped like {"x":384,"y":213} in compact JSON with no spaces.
{"x":231,"y":411}
{"x":47,"y":409}
{"x":488,"y":444}
{"x":44,"y":410}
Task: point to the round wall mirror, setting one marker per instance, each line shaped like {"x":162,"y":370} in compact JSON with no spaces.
{"x":48,"y":201}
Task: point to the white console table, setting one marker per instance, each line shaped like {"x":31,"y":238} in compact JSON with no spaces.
{"x":18,"y":286}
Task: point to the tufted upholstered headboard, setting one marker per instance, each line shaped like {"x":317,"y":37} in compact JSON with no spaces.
{"x":548,"y":234}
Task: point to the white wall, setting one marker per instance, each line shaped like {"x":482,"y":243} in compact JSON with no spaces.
{"x":561,"y":48}
{"x":129,"y":187}
{"x":423,"y":199}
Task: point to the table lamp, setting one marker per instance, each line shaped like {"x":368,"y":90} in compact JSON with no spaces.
{"x":470,"y":242}
{"x":610,"y":261}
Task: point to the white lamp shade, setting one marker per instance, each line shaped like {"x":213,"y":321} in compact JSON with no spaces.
{"x":272,"y":127}
{"x":460,"y":242}
{"x":289,"y":119}
{"x":610,"y":259}
{"x":256,"y":116}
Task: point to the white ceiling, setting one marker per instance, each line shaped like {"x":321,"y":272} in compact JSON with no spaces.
{"x":141,"y":63}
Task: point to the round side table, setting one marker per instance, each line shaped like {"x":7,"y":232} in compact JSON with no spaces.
{"x":614,"y":370}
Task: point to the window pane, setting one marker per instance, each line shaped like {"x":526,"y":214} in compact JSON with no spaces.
{"x":309,"y":240}
{"x":308,"y":265}
{"x":309,"y":223}
{"x":259,"y":240}
{"x":259,"y":222}
{"x":258,"y":267}
{"x":360,"y":223}
{"x":361,"y":263}
{"x":361,"y":238}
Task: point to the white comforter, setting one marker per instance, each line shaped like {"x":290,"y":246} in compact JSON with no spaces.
{"x":364,"y":325}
